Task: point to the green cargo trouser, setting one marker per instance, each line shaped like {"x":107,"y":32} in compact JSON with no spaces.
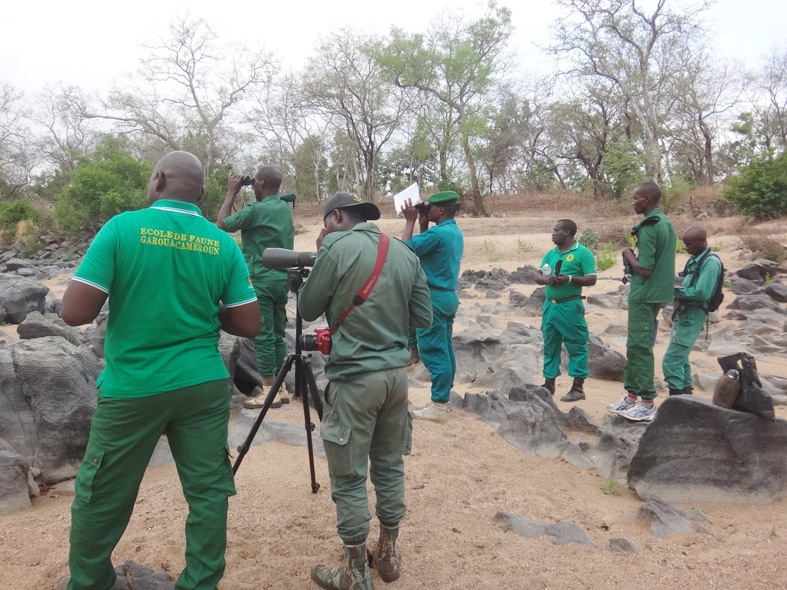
{"x":435,"y":344}
{"x":685,"y":329}
{"x":365,"y":423}
{"x":123,"y":435}
{"x":564,"y":323}
{"x":269,"y":344}
{"x":638,"y":374}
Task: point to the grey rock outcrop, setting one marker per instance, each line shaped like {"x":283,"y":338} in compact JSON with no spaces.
{"x":664,"y":518}
{"x":754,"y":302}
{"x":133,"y":575}
{"x":562,"y":532}
{"x":47,"y":399}
{"x":620,"y":544}
{"x":14,"y":493}
{"x":36,"y":325}
{"x":19,"y":296}
{"x":777,"y":292}
{"x":695,"y":451}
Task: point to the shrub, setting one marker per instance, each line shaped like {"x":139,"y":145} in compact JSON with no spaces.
{"x":760,"y":191}
{"x":765,"y":247}
{"x":606,"y":258}
{"x":22,"y":210}
{"x":589,"y":239}
{"x":523,"y":247}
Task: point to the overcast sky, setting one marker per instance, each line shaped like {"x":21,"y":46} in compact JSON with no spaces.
{"x":89,"y":43}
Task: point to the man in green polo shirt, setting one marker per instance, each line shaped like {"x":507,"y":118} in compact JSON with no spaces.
{"x":266,"y":223}
{"x":652,"y":280}
{"x":365,"y":423}
{"x":699,"y":281}
{"x":173,"y":280}
{"x":440,"y":249}
{"x":564,"y":271}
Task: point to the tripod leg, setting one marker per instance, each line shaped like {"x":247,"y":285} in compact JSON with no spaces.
{"x":300,"y":383}
{"x":312,"y":383}
{"x":243,"y":448}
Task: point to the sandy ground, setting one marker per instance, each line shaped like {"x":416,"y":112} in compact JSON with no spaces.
{"x":459,"y":475}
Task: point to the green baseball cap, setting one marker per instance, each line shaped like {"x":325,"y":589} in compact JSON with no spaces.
{"x":444,"y":198}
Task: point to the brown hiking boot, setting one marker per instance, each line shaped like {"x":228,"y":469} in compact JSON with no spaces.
{"x":415,"y":358}
{"x":386,"y":557}
{"x":577,"y":391}
{"x":353,"y":575}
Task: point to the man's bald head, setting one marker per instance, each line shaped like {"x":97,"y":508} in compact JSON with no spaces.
{"x":695,"y":240}
{"x":177,"y":176}
{"x":266,"y":182}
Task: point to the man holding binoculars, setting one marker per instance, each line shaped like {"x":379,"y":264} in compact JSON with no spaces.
{"x":265,"y":223}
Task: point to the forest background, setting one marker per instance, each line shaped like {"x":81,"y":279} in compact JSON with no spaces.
{"x":634,"y":91}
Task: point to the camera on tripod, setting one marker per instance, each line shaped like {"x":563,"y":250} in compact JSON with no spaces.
{"x":319,"y":341}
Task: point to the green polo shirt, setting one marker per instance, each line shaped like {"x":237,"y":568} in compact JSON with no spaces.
{"x":656,"y":252}
{"x":705,"y":285}
{"x":373,"y":337}
{"x":165,"y":269}
{"x":263,"y":224}
{"x":440,"y":249}
{"x":578,"y":261}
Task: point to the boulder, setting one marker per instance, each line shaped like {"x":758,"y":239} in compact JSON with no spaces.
{"x":562,"y":531}
{"x":616,"y":329}
{"x":664,"y":518}
{"x":741,"y":286}
{"x":754,"y":302}
{"x":47,"y":399}
{"x":603,"y":362}
{"x":525,"y":275}
{"x":621,"y":544}
{"x":605,"y":301}
{"x":777,"y":292}
{"x":697,"y":452}
{"x":19,"y":296}
{"x":14,"y":493}
{"x":36,"y":325}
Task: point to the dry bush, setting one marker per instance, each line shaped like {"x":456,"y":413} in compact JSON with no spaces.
{"x":765,"y":246}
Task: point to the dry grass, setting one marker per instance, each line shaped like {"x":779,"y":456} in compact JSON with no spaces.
{"x":765,"y":246}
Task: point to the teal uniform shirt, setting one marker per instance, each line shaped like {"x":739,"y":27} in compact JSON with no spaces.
{"x":163,"y":326}
{"x":263,"y":224}
{"x":697,"y":295}
{"x":440,"y":249}
{"x":578,"y":261}
{"x":373,"y":337}
{"x":656,"y":252}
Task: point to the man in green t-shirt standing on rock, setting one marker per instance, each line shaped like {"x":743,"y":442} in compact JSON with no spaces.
{"x":652,"y":279}
{"x":564,"y":271}
{"x":173,"y":280}
{"x":266,"y":223}
{"x":440,"y":249}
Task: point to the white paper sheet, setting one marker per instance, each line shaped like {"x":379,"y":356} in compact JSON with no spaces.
{"x":411,"y":192}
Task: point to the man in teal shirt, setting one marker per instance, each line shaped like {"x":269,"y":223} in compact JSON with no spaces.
{"x":173,"y":280}
{"x":699,"y":281}
{"x":651,"y":288}
{"x":440,"y":249}
{"x":365,"y":423}
{"x":564,"y":271}
{"x":266,"y":223}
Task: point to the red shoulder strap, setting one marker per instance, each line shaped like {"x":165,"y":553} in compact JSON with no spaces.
{"x":366,"y":290}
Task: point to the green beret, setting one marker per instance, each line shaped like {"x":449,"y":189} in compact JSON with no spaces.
{"x":444,"y":198}
{"x":289,"y":197}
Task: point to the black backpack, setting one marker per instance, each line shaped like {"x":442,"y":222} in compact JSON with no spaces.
{"x":718,"y":295}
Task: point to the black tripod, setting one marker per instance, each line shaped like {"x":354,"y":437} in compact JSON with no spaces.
{"x":304,"y":378}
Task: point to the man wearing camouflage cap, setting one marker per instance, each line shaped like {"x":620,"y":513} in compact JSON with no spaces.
{"x":440,"y":249}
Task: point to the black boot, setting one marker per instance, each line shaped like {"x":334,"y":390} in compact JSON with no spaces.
{"x":549,"y":385}
{"x":688,"y":390}
{"x":577,"y":391}
{"x":676,"y":391}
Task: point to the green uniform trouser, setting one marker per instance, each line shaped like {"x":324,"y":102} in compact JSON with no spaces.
{"x":685,"y":329}
{"x":366,"y":424}
{"x":123,"y":435}
{"x":269,"y":345}
{"x":435,"y":344}
{"x":638,"y":374}
{"x":564,"y":323}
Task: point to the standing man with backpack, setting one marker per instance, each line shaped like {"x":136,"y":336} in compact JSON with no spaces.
{"x":699,"y":294}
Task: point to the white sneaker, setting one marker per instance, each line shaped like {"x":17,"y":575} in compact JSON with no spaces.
{"x":434,"y":411}
{"x":624,"y":404}
{"x":639,"y":412}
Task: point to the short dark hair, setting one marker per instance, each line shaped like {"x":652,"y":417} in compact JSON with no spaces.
{"x":450,"y":210}
{"x":651,"y":189}
{"x":569,"y":226}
